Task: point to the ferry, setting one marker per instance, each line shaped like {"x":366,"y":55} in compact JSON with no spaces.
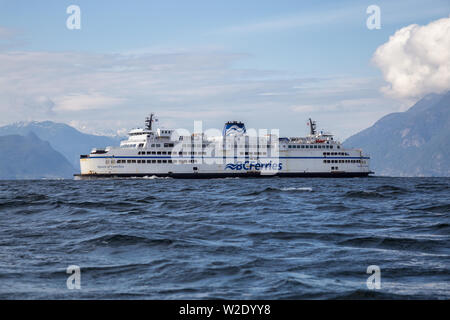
{"x":235,"y":153}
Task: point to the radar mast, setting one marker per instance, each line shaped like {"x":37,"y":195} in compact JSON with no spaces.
{"x":312,"y":125}
{"x":149,"y":121}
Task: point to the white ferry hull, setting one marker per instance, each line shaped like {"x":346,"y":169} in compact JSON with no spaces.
{"x":94,"y":167}
{"x":148,"y":153}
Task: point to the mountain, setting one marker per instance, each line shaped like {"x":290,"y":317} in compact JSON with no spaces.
{"x":28,"y":157}
{"x":411,"y":143}
{"x":62,"y":137}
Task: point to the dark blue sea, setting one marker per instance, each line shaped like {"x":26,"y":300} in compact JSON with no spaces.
{"x":274,"y":238}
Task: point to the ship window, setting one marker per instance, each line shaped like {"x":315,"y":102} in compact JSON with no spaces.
{"x":159,"y":152}
{"x":148,"y":152}
{"x":164,"y":161}
{"x":129,"y":161}
{"x":153,"y":152}
{"x":169,"y":152}
{"x":153,"y":145}
{"x":169,"y":161}
{"x":303,"y":146}
{"x":159,"y":161}
{"x":149,"y":161}
{"x":141,"y":145}
{"x":163,"y":152}
{"x":139,"y":161}
{"x":133,"y":161}
{"x":153,"y":161}
{"x":158,"y":145}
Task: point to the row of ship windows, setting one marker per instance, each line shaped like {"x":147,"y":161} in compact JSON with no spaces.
{"x":336,"y":154}
{"x":343,"y":161}
{"x":171,"y":145}
{"x":192,"y":153}
{"x":151,"y":161}
{"x":228,"y":147}
{"x":314,"y":146}
{"x":154,"y":145}
{"x":197,"y":161}
{"x":187,"y":146}
{"x":170,"y":153}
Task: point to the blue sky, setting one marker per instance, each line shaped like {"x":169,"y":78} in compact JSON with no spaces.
{"x":269,"y":63}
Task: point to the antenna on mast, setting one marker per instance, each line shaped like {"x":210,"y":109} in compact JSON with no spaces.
{"x":312,"y":125}
{"x":149,"y":121}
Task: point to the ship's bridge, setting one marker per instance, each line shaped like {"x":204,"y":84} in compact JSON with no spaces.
{"x":138,"y":132}
{"x":164,"y":133}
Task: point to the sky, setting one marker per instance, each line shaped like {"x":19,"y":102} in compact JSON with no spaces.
{"x":271,"y":64}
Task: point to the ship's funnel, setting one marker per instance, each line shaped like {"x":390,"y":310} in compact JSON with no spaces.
{"x":233,"y":128}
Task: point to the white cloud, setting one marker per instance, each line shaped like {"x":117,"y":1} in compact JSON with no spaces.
{"x":78,"y":102}
{"x":416,"y":60}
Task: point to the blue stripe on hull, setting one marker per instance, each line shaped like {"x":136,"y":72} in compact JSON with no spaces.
{"x":227,"y":175}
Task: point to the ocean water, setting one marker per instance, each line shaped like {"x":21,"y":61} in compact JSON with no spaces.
{"x":275,"y":238}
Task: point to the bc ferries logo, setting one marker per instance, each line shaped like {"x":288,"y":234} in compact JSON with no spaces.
{"x":247,"y":165}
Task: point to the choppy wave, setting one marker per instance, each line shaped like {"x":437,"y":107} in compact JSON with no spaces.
{"x":364,"y":194}
{"x":226,"y":238}
{"x":269,"y":190}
